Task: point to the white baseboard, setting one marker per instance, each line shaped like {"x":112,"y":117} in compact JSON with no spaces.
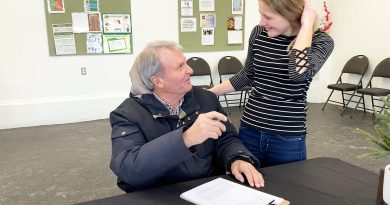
{"x":317,"y":93}
{"x":48,"y":111}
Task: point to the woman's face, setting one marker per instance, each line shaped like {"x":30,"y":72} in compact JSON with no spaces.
{"x":274,"y":22}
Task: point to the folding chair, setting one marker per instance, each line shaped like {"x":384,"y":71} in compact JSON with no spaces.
{"x":382,"y":70}
{"x":201,"y":69}
{"x":228,"y":66}
{"x":356,"y":66}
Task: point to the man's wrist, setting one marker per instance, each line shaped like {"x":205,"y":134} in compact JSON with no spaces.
{"x":187,"y":140}
{"x":242,"y":157}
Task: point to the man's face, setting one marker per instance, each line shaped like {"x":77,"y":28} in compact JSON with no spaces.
{"x":175,"y":79}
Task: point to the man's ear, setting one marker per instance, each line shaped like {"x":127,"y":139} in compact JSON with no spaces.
{"x":156,"y":81}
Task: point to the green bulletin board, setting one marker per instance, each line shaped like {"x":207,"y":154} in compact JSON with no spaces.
{"x":192,"y":41}
{"x":112,"y":42}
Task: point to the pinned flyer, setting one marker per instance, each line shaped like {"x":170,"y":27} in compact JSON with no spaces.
{"x":207,"y":20}
{"x":116,"y":23}
{"x":234,"y":37}
{"x":116,"y":44}
{"x":91,"y":5}
{"x":237,"y":6}
{"x":187,"y":8}
{"x":55,"y":6}
{"x":86,"y":22}
{"x":206,"y":5}
{"x":207,"y":36}
{"x":64,"y":41}
{"x":188,"y":25}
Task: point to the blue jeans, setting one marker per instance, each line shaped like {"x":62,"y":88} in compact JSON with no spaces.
{"x":273,"y":149}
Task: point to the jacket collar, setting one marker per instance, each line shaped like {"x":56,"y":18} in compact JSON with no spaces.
{"x":157,"y":109}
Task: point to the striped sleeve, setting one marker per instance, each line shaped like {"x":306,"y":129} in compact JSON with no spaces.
{"x":245,"y":76}
{"x":317,"y":54}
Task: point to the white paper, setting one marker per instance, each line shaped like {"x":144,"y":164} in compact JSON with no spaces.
{"x":187,"y":8}
{"x":207,"y":36}
{"x":206,"y":5}
{"x":64,"y":41}
{"x":65,"y":44}
{"x":94,"y":43}
{"x":86,"y":22}
{"x":116,"y":43}
{"x":62,"y":28}
{"x":207,"y":20}
{"x":188,"y":25}
{"x":237,"y":6}
{"x":222,"y":191}
{"x":80,"y":22}
{"x":386,"y":184}
{"x":116,"y":23}
{"x":238,"y":23}
{"x":234,"y":37}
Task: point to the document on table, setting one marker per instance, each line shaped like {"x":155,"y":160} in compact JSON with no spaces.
{"x":222,"y":191}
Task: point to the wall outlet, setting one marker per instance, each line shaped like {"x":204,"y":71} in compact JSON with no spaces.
{"x":83,"y":71}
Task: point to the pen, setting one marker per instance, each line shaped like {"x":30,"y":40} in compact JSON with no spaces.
{"x":271,"y":202}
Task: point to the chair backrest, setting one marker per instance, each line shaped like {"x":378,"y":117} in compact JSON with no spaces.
{"x":382,"y":69}
{"x":199,"y":66}
{"x":229,"y":65}
{"x":356,"y":65}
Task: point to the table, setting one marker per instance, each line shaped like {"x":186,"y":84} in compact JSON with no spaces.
{"x":319,"y":181}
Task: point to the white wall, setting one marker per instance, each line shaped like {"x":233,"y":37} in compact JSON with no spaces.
{"x":36,"y":89}
{"x":359,"y":27}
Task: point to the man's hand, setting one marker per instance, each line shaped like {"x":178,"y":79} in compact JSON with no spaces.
{"x":207,"y":125}
{"x":254,"y":177}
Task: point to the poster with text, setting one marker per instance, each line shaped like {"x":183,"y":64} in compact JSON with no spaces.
{"x":188,"y":25}
{"x":64,"y":41}
{"x":237,"y":6}
{"x":187,"y":8}
{"x":94,"y":43}
{"x":116,"y":23}
{"x":206,"y":5}
{"x":116,"y":43}
{"x":55,"y":6}
{"x":91,"y":5}
{"x":84,"y":22}
{"x":207,"y":36}
{"x":207,"y":20}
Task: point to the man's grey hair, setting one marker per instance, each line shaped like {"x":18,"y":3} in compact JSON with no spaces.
{"x":147,"y":64}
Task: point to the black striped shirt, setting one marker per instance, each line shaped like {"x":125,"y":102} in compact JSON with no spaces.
{"x":277,"y":103}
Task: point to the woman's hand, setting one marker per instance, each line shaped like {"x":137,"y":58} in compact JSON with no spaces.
{"x":309,"y":15}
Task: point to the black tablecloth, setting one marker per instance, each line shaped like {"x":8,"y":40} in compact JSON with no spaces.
{"x":320,"y":181}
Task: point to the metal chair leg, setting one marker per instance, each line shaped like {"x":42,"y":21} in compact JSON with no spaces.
{"x":227,"y":105}
{"x":346,"y":106}
{"x":326,"y":102}
{"x":357,"y":104}
{"x":245,"y":97}
{"x":239,"y":105}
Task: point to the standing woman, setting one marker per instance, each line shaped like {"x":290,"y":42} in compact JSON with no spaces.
{"x":285,"y":52}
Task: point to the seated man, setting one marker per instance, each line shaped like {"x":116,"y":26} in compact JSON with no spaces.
{"x":169,"y":131}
